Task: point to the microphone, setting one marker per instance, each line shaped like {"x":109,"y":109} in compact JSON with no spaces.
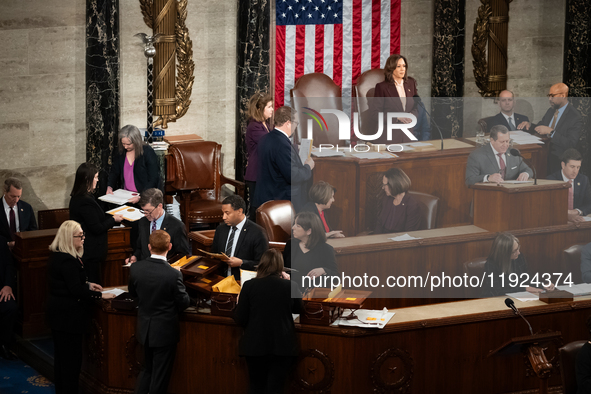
{"x":516,"y":152}
{"x":420,"y":102}
{"x":509,"y":302}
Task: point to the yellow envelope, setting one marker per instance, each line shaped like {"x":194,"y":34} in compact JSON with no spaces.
{"x":227,"y":285}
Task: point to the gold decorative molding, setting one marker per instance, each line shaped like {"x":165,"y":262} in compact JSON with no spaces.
{"x":172,"y":100}
{"x":479,"y":41}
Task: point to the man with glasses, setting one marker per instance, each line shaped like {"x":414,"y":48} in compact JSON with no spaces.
{"x":562,"y":123}
{"x":155,"y":218}
{"x":507,"y":117}
{"x":492,"y":163}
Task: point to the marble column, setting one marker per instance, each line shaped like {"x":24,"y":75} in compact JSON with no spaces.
{"x":252,"y":70}
{"x":577,"y":67}
{"x":447,"y":84}
{"x":102,"y":84}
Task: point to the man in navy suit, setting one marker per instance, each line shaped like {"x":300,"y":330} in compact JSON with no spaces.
{"x":507,"y":117}
{"x":580,"y":191}
{"x":242,"y":240}
{"x":282,"y":176}
{"x":562,"y":123}
{"x":17,"y":215}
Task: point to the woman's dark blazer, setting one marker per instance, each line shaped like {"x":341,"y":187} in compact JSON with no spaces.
{"x":311,"y":207}
{"x":320,"y":256}
{"x":265,"y":311}
{"x":386,"y":99}
{"x":145,"y":171}
{"x":68,"y":308}
{"x":254,"y":132}
{"x":95,"y":223}
{"x":404,"y":217}
{"x":518,"y":266}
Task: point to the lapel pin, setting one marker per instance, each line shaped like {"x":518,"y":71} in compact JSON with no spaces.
{"x":578,"y":183}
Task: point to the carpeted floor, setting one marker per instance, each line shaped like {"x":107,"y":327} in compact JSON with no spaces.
{"x":16,"y":377}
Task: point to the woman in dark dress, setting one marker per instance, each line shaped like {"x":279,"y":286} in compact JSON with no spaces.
{"x":311,"y":257}
{"x":400,"y":211}
{"x":505,"y":258}
{"x":260,"y":111}
{"x":95,"y":223}
{"x":265,"y":308}
{"x":68,"y":306}
{"x":395,"y":94}
{"x":135,"y":166}
{"x":321,"y":196}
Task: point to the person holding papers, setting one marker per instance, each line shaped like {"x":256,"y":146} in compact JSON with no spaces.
{"x":135,"y":166}
{"x":492,"y":162}
{"x":265,"y":308}
{"x":579,"y":194}
{"x":400,"y":211}
{"x":95,"y":223}
{"x":506,"y":260}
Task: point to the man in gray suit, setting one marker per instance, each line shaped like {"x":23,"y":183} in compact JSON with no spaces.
{"x":492,"y":163}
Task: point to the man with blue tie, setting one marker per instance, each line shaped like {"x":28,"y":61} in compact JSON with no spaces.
{"x":282,"y":175}
{"x":507,"y":117}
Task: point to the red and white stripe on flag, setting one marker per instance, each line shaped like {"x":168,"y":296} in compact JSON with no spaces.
{"x":340,"y":38}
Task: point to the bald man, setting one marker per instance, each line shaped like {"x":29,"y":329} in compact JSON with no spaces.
{"x":562,"y":123}
{"x":506,"y":117}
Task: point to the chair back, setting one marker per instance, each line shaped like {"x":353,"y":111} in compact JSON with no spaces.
{"x":318,"y":91}
{"x":474,"y":267}
{"x":571,"y":262}
{"x":198,"y":162}
{"x":568,"y":357}
{"x":429,"y":205}
{"x":276,"y":218}
{"x":52,"y":218}
{"x":365,"y":87}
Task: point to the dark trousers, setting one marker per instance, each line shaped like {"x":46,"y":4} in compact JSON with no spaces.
{"x":267,"y":374}
{"x":67,"y":361}
{"x":8,"y":311}
{"x":158,"y":363}
{"x":252,"y":210}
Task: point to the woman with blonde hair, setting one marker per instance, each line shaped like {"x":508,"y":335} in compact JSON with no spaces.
{"x":68,"y":307}
{"x":265,"y":310}
{"x":260,"y":111}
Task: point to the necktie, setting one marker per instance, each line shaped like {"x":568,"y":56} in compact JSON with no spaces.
{"x":554,"y":119}
{"x":230,"y":242}
{"x":501,"y":164}
{"x":153,"y":227}
{"x":12,"y":223}
{"x":571,"y":195}
{"x":511,"y":124}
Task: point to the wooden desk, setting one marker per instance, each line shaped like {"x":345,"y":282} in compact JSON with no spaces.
{"x":440,"y":173}
{"x":431,"y":349}
{"x":31,"y":252}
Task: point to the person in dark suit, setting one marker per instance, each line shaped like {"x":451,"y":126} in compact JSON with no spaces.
{"x":311,"y":257}
{"x":8,"y":306}
{"x":491,"y":163}
{"x":155,"y":218}
{"x":242,"y":240}
{"x":395,"y":94}
{"x":269,"y":342}
{"x":562,"y":123}
{"x":400,"y":211}
{"x":321,"y":198}
{"x":260,"y":111}
{"x":135,"y":165}
{"x":579,"y":200}
{"x":95,"y":223}
{"x":583,"y":365}
{"x":281,"y":174}
{"x":18,"y":216}
{"x":507,"y":118}
{"x":161,"y":298}
{"x":68,"y":306}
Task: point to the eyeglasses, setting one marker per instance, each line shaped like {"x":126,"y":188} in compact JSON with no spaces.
{"x":80,"y":236}
{"x":550,"y":95}
{"x":147,"y":212}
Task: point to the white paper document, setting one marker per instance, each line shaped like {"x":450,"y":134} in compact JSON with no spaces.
{"x":119,"y":197}
{"x":579,"y":290}
{"x":305,"y":149}
{"x":129,"y":213}
{"x":327,"y":153}
{"x":246,"y":275}
{"x":404,"y":237}
{"x":524,"y":296}
{"x":115,"y":291}
{"x":372,"y":155}
{"x":366,"y":318}
{"x":518,"y":182}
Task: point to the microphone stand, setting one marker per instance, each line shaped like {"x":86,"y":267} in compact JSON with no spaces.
{"x":516,"y":152}
{"x":418,"y":99}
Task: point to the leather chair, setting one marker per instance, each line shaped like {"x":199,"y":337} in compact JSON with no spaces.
{"x":568,"y":357}
{"x":194,"y":170}
{"x":317,"y":91}
{"x":52,"y":218}
{"x":571,"y":262}
{"x":474,"y":267}
{"x":365,"y":87}
{"x":276,"y":217}
{"x":429,"y":205}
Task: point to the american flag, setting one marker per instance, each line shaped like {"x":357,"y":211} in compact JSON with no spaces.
{"x":340,"y":38}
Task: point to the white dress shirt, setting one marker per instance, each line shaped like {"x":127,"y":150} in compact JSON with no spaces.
{"x":236,"y":236}
{"x":7,"y":213}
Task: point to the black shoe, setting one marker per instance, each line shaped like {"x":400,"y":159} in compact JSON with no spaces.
{"x":7,"y":354}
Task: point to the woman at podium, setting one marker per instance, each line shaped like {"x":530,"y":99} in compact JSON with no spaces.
{"x":400,"y":211}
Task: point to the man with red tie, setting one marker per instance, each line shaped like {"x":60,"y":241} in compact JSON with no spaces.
{"x":492,"y":162}
{"x":579,"y":194}
{"x":18,"y":215}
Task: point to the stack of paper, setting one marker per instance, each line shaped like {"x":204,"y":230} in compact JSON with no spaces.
{"x":404,"y":237}
{"x":119,"y":197}
{"x":327,"y":153}
{"x":577,"y":290}
{"x":523,"y":138}
{"x":365,"y":318}
{"x":372,"y":155}
{"x":129,"y":213}
{"x":524,"y":296}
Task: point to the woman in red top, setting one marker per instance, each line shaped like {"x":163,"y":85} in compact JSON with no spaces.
{"x":321,"y":198}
